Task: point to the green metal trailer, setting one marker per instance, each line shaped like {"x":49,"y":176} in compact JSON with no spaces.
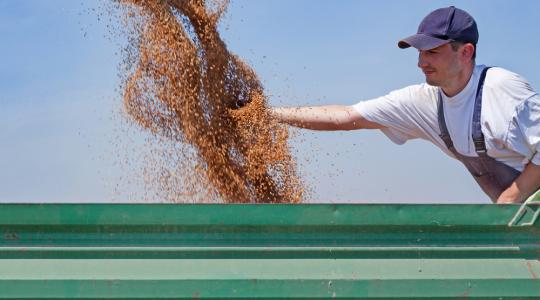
{"x":167,"y":251}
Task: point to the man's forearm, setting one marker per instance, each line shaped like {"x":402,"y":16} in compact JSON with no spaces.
{"x":525,"y":185}
{"x":329,"y":117}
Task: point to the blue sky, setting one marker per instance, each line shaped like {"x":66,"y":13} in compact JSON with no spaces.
{"x":62,"y":137}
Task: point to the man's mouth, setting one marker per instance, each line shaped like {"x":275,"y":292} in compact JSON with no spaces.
{"x":428,"y":72}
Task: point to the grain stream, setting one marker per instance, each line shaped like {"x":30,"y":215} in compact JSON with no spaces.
{"x":183,"y":85}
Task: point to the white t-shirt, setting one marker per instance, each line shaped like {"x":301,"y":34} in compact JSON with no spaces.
{"x":510,"y":116}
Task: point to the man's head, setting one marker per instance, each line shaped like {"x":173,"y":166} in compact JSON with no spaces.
{"x":446,"y":41}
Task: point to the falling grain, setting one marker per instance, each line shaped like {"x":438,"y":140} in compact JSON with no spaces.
{"x":183,"y":85}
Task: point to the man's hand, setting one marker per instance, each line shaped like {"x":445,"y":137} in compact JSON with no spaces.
{"x":329,"y":117}
{"x":525,"y":185}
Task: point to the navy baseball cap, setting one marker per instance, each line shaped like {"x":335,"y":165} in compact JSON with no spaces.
{"x":443,"y":26}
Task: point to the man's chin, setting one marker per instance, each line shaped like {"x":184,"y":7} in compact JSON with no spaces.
{"x":432,"y":82}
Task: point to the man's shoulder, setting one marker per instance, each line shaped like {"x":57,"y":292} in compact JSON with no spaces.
{"x":416,"y":92}
{"x":417,"y":97}
{"x":498,"y":77}
{"x":506,"y":88}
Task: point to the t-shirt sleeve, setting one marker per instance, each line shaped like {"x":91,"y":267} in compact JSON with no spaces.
{"x":524,"y":129}
{"x":396,"y":112}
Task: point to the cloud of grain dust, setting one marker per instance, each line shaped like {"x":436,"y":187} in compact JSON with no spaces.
{"x":205,"y":104}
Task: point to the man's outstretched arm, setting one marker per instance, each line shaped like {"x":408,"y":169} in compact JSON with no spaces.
{"x":525,"y":185}
{"x":328,"y":117}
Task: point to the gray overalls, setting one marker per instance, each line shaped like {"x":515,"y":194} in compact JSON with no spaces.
{"x":493,"y":176}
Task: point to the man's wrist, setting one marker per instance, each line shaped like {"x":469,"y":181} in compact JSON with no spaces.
{"x":511,"y":195}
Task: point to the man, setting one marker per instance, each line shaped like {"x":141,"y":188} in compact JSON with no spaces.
{"x":487,"y":118}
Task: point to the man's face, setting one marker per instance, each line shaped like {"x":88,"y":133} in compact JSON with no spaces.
{"x":440,"y":65}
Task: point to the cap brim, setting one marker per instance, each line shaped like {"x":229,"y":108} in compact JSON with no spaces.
{"x":422,"y":42}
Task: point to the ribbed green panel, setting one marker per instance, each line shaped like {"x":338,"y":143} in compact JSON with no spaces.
{"x":272,"y":289}
{"x":148,"y":251}
{"x":254,"y":215}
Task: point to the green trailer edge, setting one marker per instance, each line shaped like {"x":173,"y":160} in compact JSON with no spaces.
{"x":315,"y":251}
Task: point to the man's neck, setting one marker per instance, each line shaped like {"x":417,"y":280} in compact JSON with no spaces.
{"x":461,"y":80}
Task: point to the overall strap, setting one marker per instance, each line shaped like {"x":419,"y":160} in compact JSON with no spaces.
{"x":477,"y":135}
{"x":445,"y":135}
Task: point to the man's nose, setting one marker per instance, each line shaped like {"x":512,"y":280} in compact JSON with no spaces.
{"x":422,"y":61}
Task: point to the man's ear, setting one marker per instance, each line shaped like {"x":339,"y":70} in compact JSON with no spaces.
{"x":468,"y":51}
